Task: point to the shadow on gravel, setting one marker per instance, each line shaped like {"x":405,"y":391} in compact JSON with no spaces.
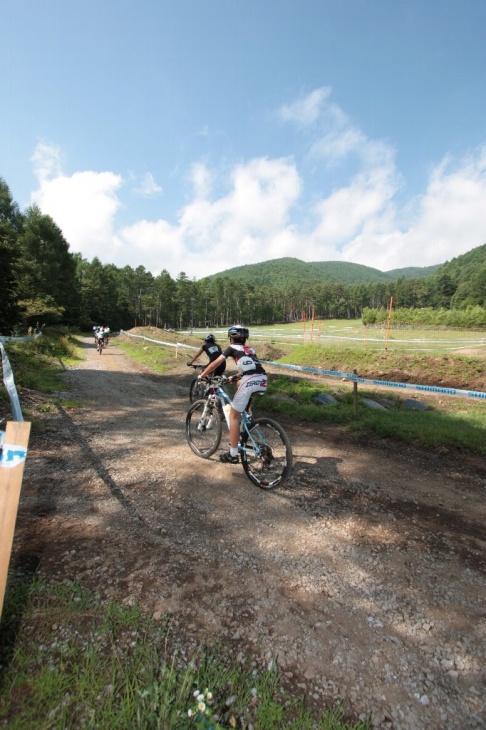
{"x":103,"y":473}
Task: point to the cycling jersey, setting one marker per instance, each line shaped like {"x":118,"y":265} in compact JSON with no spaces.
{"x":213,"y":351}
{"x":237,"y":352}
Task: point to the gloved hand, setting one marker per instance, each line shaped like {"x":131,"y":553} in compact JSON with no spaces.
{"x":189,"y":364}
{"x":202,"y":379}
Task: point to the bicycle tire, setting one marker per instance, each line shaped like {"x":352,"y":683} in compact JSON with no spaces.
{"x":203,"y":440}
{"x":274,"y":465}
{"x":196,"y":390}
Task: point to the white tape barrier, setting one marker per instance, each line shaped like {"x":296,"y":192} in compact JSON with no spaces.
{"x":160,"y":342}
{"x":9,"y":381}
{"x":386,"y":383}
{"x":348,"y":376}
{"x":8,"y":377}
{"x":4,"y":338}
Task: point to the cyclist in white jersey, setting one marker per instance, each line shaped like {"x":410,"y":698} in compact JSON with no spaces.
{"x":252,"y":379}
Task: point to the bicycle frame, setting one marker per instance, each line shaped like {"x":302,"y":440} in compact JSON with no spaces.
{"x":264,"y":448}
{"x":215,"y":391}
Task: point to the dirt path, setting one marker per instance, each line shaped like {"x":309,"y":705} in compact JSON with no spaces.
{"x":363,"y":577}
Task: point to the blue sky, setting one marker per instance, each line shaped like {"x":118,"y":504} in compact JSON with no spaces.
{"x":198,"y":135}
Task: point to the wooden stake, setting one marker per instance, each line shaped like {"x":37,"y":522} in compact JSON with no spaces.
{"x":17,"y":434}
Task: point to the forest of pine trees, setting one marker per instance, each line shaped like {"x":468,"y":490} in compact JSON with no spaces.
{"x":42,"y":283}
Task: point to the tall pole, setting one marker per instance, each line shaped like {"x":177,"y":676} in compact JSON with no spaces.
{"x":388,"y":324}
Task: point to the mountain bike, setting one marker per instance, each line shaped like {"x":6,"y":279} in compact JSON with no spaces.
{"x":197,"y":389}
{"x":101,"y":344}
{"x":264,"y":447}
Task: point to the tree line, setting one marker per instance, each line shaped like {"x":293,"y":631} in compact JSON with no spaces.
{"x":42,"y":283}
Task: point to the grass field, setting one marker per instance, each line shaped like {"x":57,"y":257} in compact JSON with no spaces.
{"x":352,"y":333}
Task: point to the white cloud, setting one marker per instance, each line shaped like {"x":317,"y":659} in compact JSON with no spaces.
{"x":262,"y":214}
{"x":46,"y":160}
{"x":148,"y":188}
{"x":307,"y":110}
{"x":201,"y":179}
{"x":83,"y":205}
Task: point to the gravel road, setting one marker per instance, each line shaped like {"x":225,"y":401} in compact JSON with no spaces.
{"x":363,"y":577}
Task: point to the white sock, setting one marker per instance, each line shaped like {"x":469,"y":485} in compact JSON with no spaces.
{"x":234,"y":452}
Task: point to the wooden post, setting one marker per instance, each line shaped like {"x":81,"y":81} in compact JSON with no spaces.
{"x":16,"y":435}
{"x":355,"y":396}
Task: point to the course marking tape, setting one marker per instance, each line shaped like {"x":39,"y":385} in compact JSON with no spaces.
{"x":349,"y":376}
{"x":8,"y":379}
{"x":386,"y":383}
{"x":12,"y":455}
{"x":160,"y":342}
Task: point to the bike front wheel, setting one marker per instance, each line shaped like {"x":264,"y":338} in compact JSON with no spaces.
{"x":266,"y":453}
{"x":203,"y":428}
{"x":196,"y":391}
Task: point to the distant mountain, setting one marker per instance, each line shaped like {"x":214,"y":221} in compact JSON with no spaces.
{"x":464,"y":267}
{"x":289,"y":271}
{"x":413,"y":272}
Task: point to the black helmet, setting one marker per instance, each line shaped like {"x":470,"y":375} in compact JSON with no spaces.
{"x":237,"y":332}
{"x":210,"y":338}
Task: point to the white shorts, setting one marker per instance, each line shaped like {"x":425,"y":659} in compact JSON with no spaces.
{"x":248,"y":385}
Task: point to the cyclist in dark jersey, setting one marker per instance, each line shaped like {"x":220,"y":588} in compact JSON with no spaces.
{"x":213,"y":351}
{"x":252,"y":379}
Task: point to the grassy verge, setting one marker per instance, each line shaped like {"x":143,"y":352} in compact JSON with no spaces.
{"x":37,"y":365}
{"x":456,"y":423}
{"x":69,"y":661}
{"x":447,"y":370}
{"x":461,"y":425}
{"x":155,"y":357}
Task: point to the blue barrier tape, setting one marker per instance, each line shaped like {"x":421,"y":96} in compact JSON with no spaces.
{"x":4,"y":338}
{"x":337,"y":374}
{"x":9,"y":381}
{"x":8,"y":377}
{"x":386,"y":383}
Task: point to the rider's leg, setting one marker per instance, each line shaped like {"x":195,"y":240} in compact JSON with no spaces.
{"x":234,"y":431}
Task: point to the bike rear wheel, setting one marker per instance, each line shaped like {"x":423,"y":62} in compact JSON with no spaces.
{"x":196,"y":391}
{"x":203,"y":430}
{"x":268,"y":463}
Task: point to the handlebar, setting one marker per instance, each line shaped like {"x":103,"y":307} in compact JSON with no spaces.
{"x":219,"y":379}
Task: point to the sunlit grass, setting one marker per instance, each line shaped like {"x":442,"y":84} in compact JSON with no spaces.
{"x":353,"y":334}
{"x":70,"y":661}
{"x":159,"y":359}
{"x":456,"y":423}
{"x":461,"y":425}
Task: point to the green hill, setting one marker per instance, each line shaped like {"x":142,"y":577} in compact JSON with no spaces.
{"x":464,"y":267}
{"x":289,"y":271}
{"x":413,"y":272}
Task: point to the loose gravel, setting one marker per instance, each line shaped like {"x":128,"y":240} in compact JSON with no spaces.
{"x":362,"y":579}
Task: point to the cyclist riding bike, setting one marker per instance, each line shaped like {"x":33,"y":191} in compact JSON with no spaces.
{"x":252,"y":379}
{"x":213,"y":351}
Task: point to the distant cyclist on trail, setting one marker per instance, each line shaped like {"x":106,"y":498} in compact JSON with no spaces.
{"x":252,"y":379}
{"x":213,"y":351}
